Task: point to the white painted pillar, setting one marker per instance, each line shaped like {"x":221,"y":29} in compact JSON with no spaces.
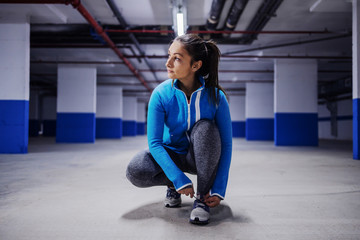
{"x":356,"y":79}
{"x":141,"y":116}
{"x":130,"y":116}
{"x":296,"y":108}
{"x":14,"y":85}
{"x":237,"y":111}
{"x":49,"y":116}
{"x":259,"y":111}
{"x":109,"y":112}
{"x":76,"y":104}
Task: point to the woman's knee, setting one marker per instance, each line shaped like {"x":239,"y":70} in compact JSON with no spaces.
{"x":135,"y":169}
{"x":205,"y":130}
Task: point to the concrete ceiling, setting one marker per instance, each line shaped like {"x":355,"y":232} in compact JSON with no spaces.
{"x":57,"y":23}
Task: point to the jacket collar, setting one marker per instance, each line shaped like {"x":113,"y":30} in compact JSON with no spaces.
{"x":201,"y":80}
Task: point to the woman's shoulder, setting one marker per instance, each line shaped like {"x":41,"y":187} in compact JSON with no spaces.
{"x":164,"y":86}
{"x":164,"y":91}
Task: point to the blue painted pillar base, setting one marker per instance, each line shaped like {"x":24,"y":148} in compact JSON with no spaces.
{"x":356,"y":128}
{"x":238,"y":128}
{"x":129,"y":128}
{"x":260,"y":129}
{"x":296,"y":129}
{"x":49,"y":128}
{"x":109,"y":128}
{"x":75,"y":128}
{"x":140,"y":128}
{"x":14,"y":126}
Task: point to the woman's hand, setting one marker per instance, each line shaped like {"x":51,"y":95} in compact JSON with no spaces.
{"x":187,"y":191}
{"x":212,"y":201}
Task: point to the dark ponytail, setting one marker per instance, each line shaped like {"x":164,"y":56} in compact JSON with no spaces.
{"x":209,"y":54}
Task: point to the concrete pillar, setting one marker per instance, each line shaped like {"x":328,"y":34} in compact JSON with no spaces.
{"x":259,"y":111}
{"x":109,"y":112}
{"x":356,"y":79}
{"x":237,"y":111}
{"x":14,"y":85}
{"x":130,"y":116}
{"x":141,"y":116}
{"x":76,"y":104}
{"x":337,"y":127}
{"x":34,"y":113}
{"x":296,"y":108}
{"x":48,"y":112}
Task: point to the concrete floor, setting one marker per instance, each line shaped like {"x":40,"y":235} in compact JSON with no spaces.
{"x":79,"y":191}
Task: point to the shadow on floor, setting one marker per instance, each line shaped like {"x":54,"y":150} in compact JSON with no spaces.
{"x":181,"y":215}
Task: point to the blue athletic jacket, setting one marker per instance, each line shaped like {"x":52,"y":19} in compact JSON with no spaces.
{"x":170,"y":117}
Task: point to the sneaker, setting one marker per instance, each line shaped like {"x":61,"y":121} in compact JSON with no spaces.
{"x":200,"y":214}
{"x":173,"y":198}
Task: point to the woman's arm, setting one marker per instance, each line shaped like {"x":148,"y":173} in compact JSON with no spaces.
{"x":155,"y":131}
{"x":223,"y":122}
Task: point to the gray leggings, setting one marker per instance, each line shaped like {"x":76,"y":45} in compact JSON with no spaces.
{"x":202,"y":159}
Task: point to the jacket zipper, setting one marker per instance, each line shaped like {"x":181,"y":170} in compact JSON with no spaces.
{"x":188,"y":104}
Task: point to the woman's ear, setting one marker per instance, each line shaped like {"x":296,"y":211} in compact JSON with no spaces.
{"x":196,"y":65}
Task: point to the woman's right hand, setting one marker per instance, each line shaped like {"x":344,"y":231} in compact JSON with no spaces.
{"x":187,"y":191}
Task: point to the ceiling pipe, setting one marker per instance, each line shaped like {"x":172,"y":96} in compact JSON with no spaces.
{"x":237,"y":8}
{"x":164,"y":70}
{"x":263,"y":15}
{"x":216,"y":31}
{"x":257,"y":71}
{"x":139,"y":31}
{"x":256,"y":56}
{"x":112,"y":45}
{"x":215,"y":12}
{"x":75,"y":62}
{"x":289,"y":57}
{"x":67,"y":2}
{"x":82,"y":10}
{"x":289,"y":44}
{"x":123,"y":22}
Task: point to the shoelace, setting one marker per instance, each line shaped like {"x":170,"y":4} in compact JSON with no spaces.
{"x":172,"y":194}
{"x":199,"y":200}
{"x":201,"y":204}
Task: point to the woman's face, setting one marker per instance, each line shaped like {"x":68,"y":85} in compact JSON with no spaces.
{"x":179,"y":63}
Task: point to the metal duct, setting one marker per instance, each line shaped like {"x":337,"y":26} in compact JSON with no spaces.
{"x":215,"y":12}
{"x":263,"y":15}
{"x":124,"y":24}
{"x":236,"y":10}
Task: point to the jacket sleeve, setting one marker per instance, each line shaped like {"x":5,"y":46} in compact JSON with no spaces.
{"x":155,"y":131}
{"x":223,"y":122}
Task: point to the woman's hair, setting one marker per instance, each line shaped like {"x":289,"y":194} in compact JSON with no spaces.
{"x":209,"y":54}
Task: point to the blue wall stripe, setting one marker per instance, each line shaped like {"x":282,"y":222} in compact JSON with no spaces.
{"x":238,"y":128}
{"x":109,"y":128}
{"x":34,"y":127}
{"x":296,"y":129}
{"x":49,"y":128}
{"x":339,"y":118}
{"x":14,"y":126}
{"x":140,"y":128}
{"x":356,"y":128}
{"x":129,"y":128}
{"x":261,"y":129}
{"x":75,"y":127}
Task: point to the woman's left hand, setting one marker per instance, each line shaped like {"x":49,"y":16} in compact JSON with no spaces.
{"x":212,"y":201}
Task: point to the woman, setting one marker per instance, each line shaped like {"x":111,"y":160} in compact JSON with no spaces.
{"x":189,"y":130}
